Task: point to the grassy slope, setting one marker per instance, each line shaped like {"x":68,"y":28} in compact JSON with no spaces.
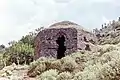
{"x":103,"y":64}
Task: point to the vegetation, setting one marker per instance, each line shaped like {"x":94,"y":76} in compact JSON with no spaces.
{"x":20,"y":52}
{"x":102,"y":65}
{"x":1,"y":61}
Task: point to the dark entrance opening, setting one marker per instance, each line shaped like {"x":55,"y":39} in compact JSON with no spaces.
{"x":87,"y":47}
{"x":61,"y":48}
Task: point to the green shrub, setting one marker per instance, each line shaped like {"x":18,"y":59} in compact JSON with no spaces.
{"x":1,"y":61}
{"x":64,"y":76}
{"x":40,"y":65}
{"x":101,"y":65}
{"x":19,"y":53}
{"x":107,"y":67}
{"x":48,"y":75}
{"x":56,"y":65}
{"x":68,"y":64}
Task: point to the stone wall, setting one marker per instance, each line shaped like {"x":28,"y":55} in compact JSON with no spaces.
{"x":86,"y":40}
{"x":46,"y":45}
{"x":76,"y":38}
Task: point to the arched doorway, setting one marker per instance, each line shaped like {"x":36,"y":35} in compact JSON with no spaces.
{"x":61,"y":47}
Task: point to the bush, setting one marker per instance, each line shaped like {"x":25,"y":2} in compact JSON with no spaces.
{"x":56,"y":65}
{"x":68,"y":64}
{"x":39,"y":66}
{"x":105,"y":68}
{"x":95,"y":66}
{"x":48,"y":75}
{"x":1,"y":61}
{"x":64,"y":76}
{"x":19,"y":53}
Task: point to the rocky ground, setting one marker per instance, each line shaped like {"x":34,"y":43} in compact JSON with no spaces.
{"x":15,"y":72}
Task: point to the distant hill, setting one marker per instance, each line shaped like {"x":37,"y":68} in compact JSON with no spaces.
{"x":109,"y":33}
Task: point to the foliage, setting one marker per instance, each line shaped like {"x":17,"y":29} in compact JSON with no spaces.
{"x":110,"y":33}
{"x":39,"y":66}
{"x":64,"y":76}
{"x":19,"y":53}
{"x":49,"y":75}
{"x":114,"y":40}
{"x":1,"y":61}
{"x":56,"y":65}
{"x":29,"y":39}
{"x":68,"y":64}
{"x":101,"y":65}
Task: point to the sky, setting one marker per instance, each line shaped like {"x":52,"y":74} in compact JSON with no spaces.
{"x":19,"y":17}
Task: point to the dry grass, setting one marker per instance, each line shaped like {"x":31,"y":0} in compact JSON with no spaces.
{"x":103,"y":64}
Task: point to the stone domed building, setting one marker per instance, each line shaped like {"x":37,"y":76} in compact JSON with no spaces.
{"x":61,"y":39}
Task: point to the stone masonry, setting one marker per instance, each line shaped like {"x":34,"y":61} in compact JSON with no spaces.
{"x":76,"y":38}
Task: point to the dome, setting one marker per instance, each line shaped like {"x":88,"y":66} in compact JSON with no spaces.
{"x":66,"y":24}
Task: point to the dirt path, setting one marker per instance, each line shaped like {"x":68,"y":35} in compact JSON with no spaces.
{"x":22,"y":75}
{"x":18,"y":74}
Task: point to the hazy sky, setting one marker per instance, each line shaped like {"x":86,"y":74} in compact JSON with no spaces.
{"x":18,"y":17}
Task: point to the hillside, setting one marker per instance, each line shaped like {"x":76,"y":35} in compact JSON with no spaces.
{"x":109,"y":33}
{"x":103,"y":63}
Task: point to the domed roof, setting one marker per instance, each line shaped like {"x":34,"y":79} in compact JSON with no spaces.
{"x":66,"y":24}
